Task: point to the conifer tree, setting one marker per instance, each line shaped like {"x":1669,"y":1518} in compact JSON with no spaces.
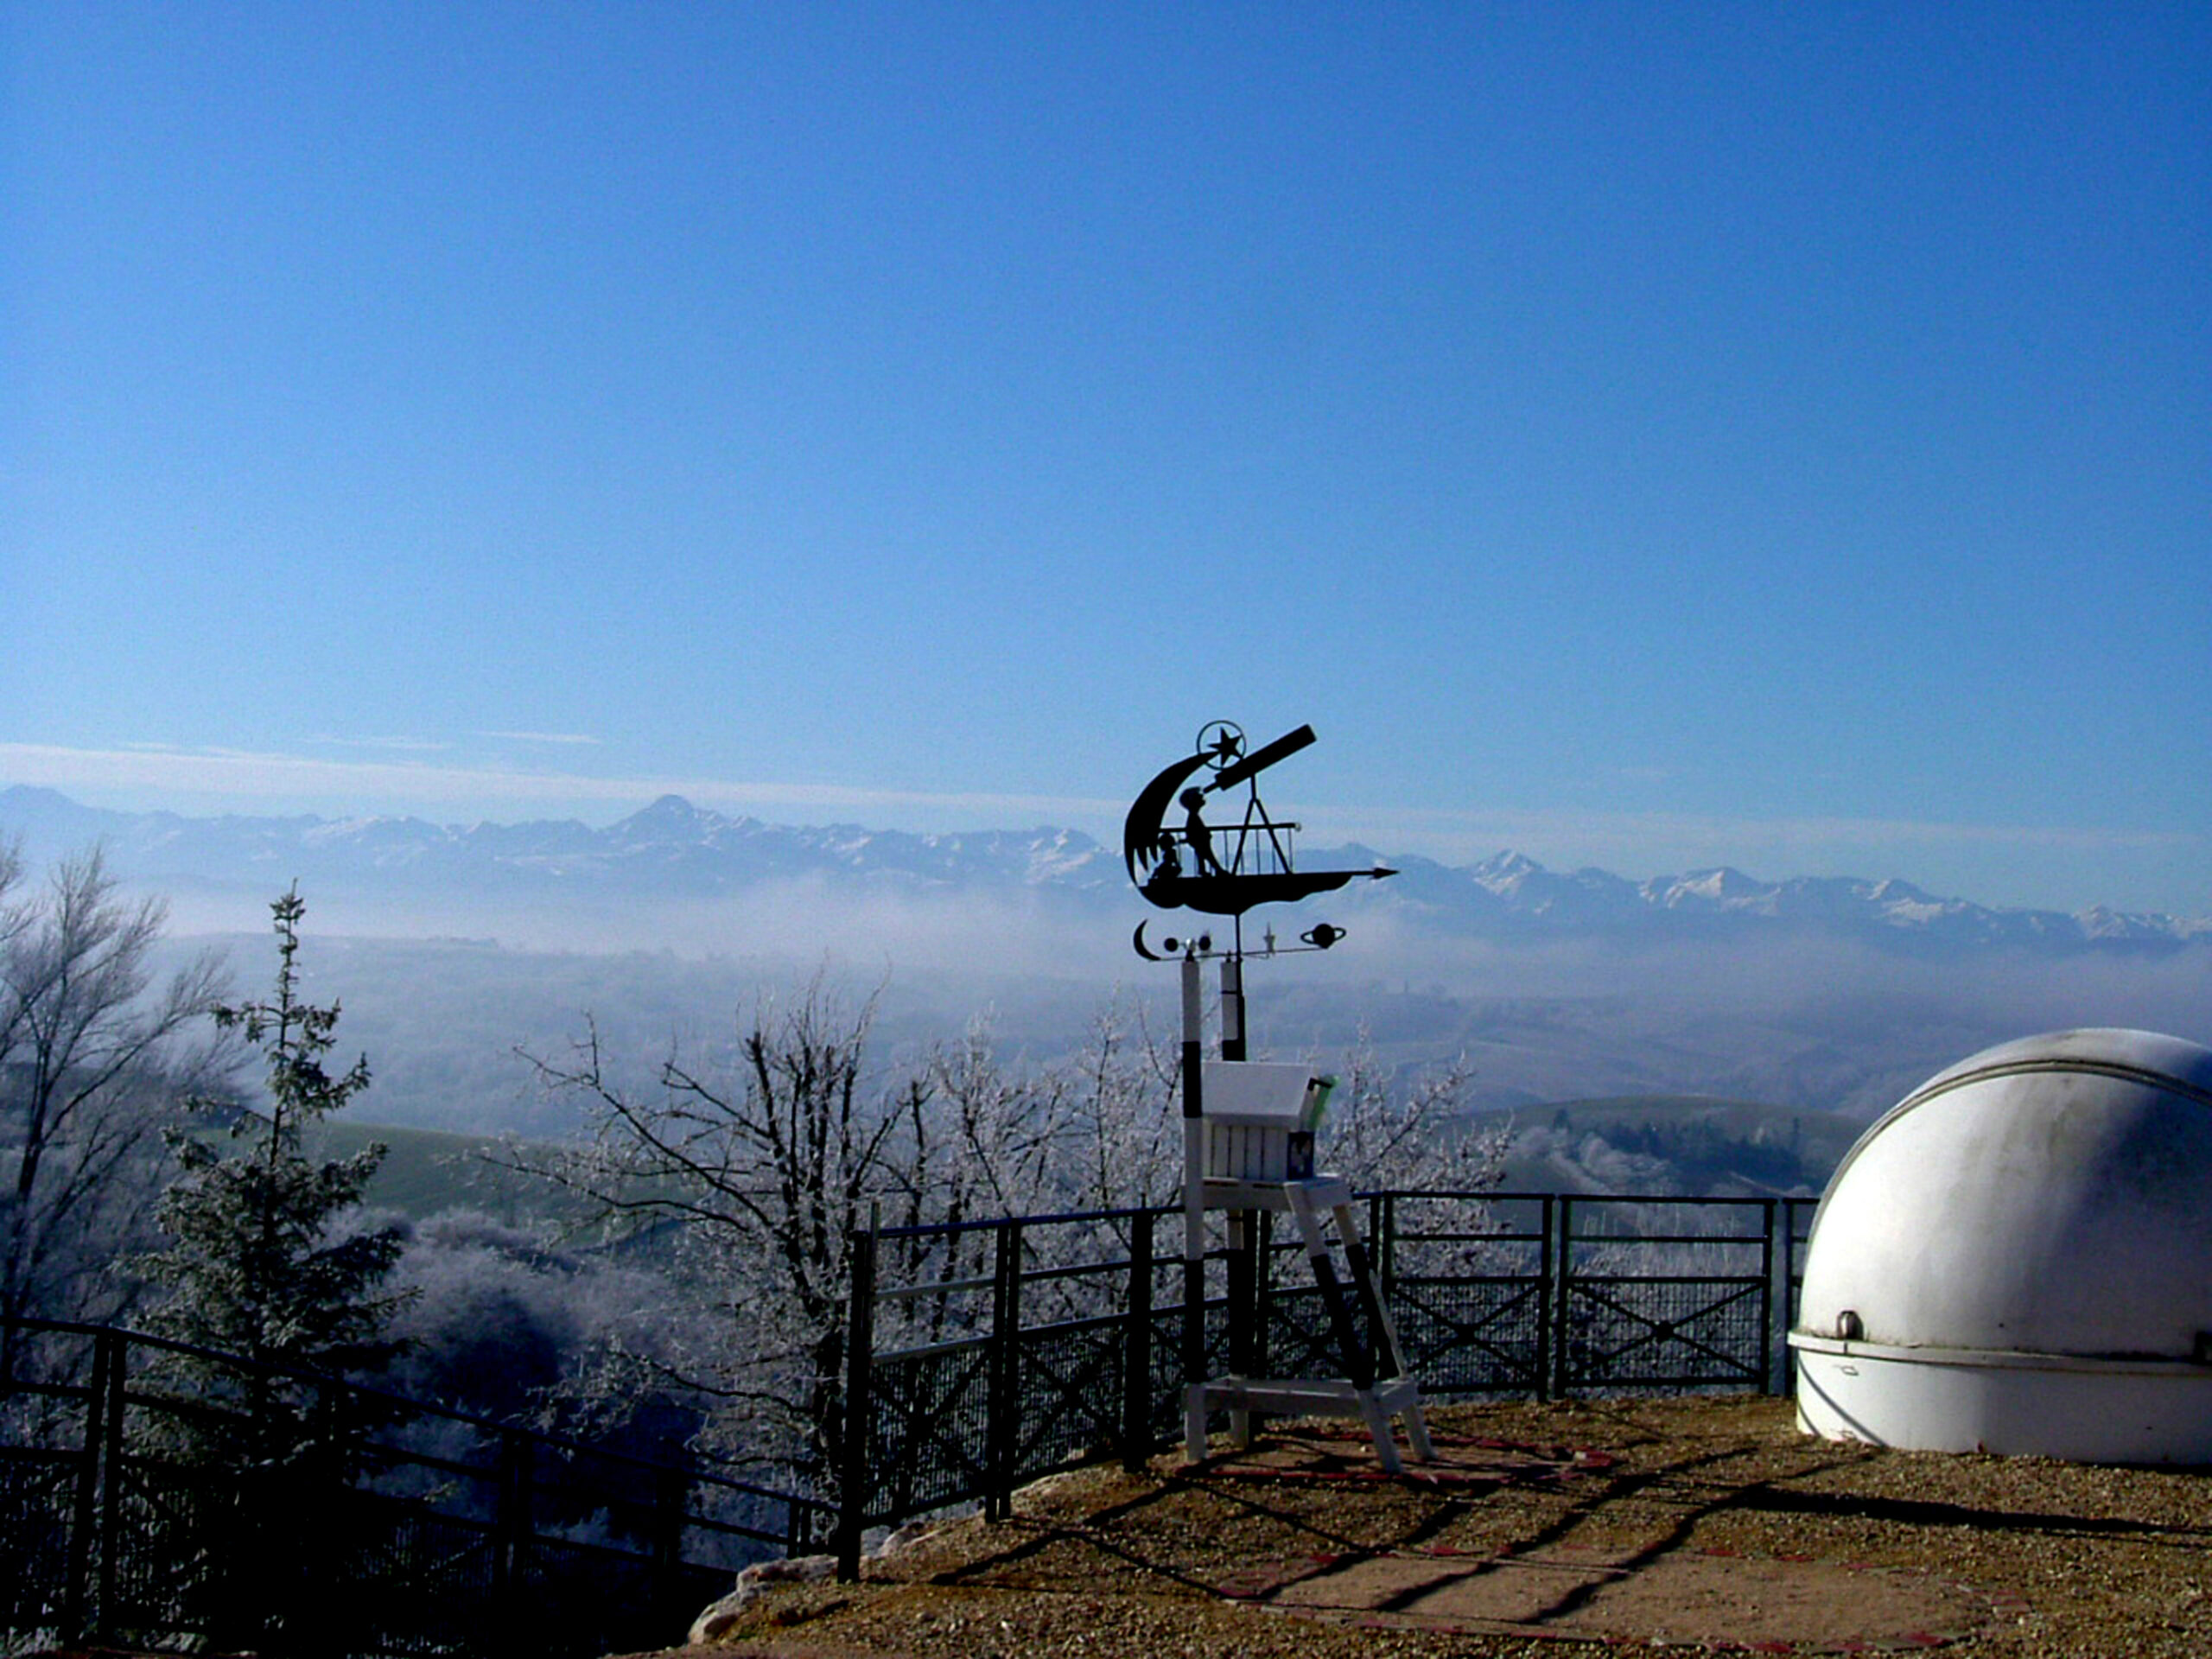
{"x":260,"y":1262}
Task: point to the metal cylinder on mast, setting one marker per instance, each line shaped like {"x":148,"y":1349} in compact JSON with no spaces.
{"x":1232,"y":1007}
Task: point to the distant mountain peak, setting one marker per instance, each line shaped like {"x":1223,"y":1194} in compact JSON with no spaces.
{"x":1721,"y":885}
{"x":1893,"y":891}
{"x":1505,"y":867}
{"x":672,"y":808}
{"x":26,"y":797}
{"x":670,"y":817}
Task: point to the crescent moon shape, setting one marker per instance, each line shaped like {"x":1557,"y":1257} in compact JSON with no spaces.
{"x":1137,"y":939}
{"x":1147,"y":813}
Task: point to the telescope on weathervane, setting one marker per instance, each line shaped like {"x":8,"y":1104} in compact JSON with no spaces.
{"x":1222,"y":870}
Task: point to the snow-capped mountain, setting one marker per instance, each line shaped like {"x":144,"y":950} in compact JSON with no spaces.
{"x":1511,"y":895}
{"x":675,"y":850}
{"x":670,"y":848}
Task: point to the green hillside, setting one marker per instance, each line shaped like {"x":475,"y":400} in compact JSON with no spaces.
{"x":427,"y":1170}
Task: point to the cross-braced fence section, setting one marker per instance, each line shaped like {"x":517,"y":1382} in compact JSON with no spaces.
{"x":161,"y":1496}
{"x":1181,"y":1345}
{"x":1468,"y":1278}
{"x":1665,"y":1292}
{"x":984,"y":1354}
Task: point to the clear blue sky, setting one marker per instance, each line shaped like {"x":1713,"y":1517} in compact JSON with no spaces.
{"x":1653,"y":435}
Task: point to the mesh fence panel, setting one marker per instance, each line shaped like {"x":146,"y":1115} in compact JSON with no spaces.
{"x":38,"y":1491}
{"x":1627,"y":1332}
{"x":1069,"y":1380}
{"x":1472,"y":1336}
{"x":929,"y":1427}
{"x":1167,"y":1366}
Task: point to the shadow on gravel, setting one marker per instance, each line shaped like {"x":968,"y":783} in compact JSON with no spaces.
{"x":1916,"y":1512}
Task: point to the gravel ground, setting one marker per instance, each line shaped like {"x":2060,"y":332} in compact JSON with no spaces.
{"x":1703,"y":1522}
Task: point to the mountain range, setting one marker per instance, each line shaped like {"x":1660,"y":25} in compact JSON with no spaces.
{"x":673,"y":850}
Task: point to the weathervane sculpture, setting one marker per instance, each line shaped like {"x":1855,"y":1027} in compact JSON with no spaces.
{"x":1183,"y":868}
{"x":1253,"y":1153}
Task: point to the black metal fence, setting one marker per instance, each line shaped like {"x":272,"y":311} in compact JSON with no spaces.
{"x":981,"y":1355}
{"x":985,"y":1355}
{"x":299,"y":1514}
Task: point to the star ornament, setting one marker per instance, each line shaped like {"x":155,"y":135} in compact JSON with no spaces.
{"x":1221,"y":743}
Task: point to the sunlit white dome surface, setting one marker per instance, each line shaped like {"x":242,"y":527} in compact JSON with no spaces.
{"x":2018,"y":1258}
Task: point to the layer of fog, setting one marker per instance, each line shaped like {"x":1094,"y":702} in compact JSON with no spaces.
{"x":442,"y":1001}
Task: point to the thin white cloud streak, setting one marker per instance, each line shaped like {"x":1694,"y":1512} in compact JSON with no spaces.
{"x":396,"y":745}
{"x":372,"y":786}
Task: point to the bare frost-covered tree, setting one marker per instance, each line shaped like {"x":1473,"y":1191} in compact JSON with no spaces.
{"x":96,"y":1062}
{"x":1126,"y":1120}
{"x":1406,"y":1130}
{"x":747,"y":1175}
{"x":1096,"y":1130}
{"x":501,"y":1318}
{"x":1390,"y":1127}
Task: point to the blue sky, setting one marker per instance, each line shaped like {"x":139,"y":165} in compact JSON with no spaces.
{"x":1653,"y":435}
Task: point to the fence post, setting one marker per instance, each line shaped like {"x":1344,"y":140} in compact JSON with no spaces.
{"x":1383,"y":1228}
{"x":1562,"y":1366}
{"x":1792,"y":1266}
{"x":77,"y":1590}
{"x":511,"y":1522}
{"x":799,"y":1527}
{"x":1136,"y":1349}
{"x":1766,"y":1310}
{"x":1263,"y":1292}
{"x":671,"y":1486}
{"x":112,"y":1454}
{"x":1003,"y":1418}
{"x":860,"y":1415}
{"x":1544,"y":1298}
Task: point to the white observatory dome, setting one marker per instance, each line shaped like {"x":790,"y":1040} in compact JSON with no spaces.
{"x":2018,"y":1258}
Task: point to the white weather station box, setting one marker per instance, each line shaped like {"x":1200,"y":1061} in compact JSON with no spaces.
{"x":1260,"y":1120}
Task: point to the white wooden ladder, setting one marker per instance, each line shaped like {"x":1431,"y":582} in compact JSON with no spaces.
{"x":1376,"y":1386}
